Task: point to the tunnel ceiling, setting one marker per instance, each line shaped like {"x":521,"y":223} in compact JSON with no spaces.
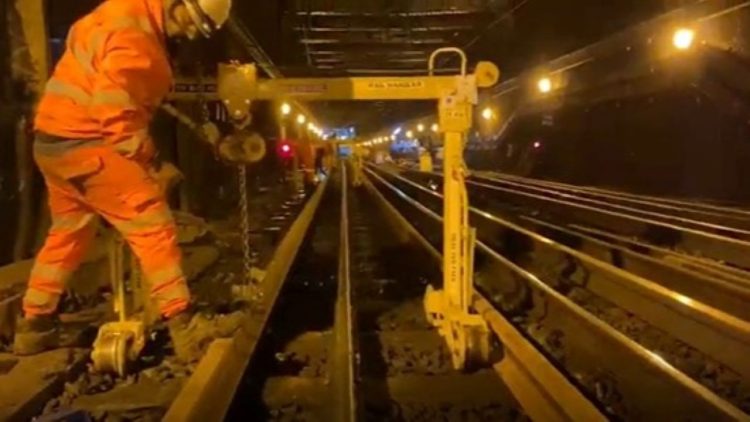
{"x":380,"y":37}
{"x":385,"y":37}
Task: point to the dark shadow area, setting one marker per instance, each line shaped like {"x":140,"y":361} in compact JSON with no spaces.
{"x":306,"y":304}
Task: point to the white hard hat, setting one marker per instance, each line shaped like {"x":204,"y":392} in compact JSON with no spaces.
{"x":209,"y":15}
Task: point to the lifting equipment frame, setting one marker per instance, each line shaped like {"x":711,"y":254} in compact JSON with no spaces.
{"x":464,"y":331}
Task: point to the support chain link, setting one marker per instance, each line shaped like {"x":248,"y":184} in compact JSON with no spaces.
{"x":245,"y":224}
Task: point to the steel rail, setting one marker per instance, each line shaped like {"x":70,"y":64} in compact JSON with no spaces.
{"x":707,"y":266}
{"x":343,"y":366}
{"x":684,"y":229}
{"x":208,"y":393}
{"x":643,"y":373}
{"x":734,"y":275}
{"x":718,"y":334}
{"x":700,"y":224}
{"x":593,"y":195}
{"x":667,"y":203}
{"x":726,"y":295}
{"x":717,"y":246}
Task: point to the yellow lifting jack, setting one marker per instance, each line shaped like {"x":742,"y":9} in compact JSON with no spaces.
{"x":449,"y":309}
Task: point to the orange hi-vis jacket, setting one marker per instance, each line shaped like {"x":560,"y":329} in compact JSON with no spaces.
{"x":111,"y":79}
{"x":93,"y":149}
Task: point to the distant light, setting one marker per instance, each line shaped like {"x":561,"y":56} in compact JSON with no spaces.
{"x":409,"y":134}
{"x":393,"y":137}
{"x":683,"y":38}
{"x":544,"y":85}
{"x":435,"y":127}
{"x":286,"y":109}
{"x":420,"y":127}
{"x":487,"y":113}
{"x":311,"y":127}
{"x":397,"y":131}
{"x":301,"y":119}
{"x":286,"y":148}
{"x":537,"y":145}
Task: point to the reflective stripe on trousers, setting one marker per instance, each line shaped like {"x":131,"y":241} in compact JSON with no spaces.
{"x":72,"y":222}
{"x":169,"y":290}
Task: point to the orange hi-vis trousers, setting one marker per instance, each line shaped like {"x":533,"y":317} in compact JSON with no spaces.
{"x":89,"y":182}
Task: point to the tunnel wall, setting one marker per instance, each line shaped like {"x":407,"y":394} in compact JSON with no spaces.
{"x":674,"y":143}
{"x":638,"y":117}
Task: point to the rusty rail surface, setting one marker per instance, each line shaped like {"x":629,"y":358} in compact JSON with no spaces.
{"x":209,"y":392}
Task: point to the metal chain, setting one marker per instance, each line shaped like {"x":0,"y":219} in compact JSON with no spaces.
{"x":245,"y":223}
{"x":205,"y":112}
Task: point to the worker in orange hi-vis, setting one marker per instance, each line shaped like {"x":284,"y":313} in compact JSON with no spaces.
{"x":93,"y":148}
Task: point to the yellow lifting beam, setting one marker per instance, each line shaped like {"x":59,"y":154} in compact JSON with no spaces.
{"x":466,"y":334}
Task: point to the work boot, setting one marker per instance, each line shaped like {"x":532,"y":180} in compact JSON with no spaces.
{"x":192,"y":334}
{"x":36,"y":335}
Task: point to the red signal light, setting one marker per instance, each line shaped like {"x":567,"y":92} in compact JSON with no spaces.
{"x":285,"y":150}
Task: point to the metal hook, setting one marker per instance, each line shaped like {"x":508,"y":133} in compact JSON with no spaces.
{"x":436,"y":53}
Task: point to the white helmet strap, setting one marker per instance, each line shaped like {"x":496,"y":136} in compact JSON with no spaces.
{"x":205,"y":24}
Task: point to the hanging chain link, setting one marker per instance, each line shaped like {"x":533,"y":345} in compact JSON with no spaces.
{"x":205,"y":112}
{"x":245,"y":223}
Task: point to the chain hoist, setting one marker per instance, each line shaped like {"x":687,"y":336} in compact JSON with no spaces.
{"x":245,"y":223}
{"x":205,"y":112}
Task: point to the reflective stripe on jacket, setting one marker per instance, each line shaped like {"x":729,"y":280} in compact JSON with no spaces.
{"x":112,"y":77}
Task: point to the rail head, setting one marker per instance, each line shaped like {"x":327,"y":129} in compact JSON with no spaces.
{"x":343,"y":365}
{"x":209,"y":392}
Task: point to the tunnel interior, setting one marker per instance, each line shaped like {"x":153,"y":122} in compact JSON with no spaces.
{"x":592,"y":222}
{"x":674,"y":138}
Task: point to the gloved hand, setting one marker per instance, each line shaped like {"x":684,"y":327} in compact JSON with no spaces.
{"x":167,"y":175}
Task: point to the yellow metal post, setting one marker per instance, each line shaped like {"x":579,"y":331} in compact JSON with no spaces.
{"x":454,"y":220}
{"x":466,"y":333}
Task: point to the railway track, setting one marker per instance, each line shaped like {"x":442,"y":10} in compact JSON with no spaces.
{"x":594,"y":311}
{"x":709,"y":234}
{"x":349,"y":340}
{"x":676,"y":209}
{"x":587,"y":328}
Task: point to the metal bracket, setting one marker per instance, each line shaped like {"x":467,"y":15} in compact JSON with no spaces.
{"x":120,"y":343}
{"x":466,"y":333}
